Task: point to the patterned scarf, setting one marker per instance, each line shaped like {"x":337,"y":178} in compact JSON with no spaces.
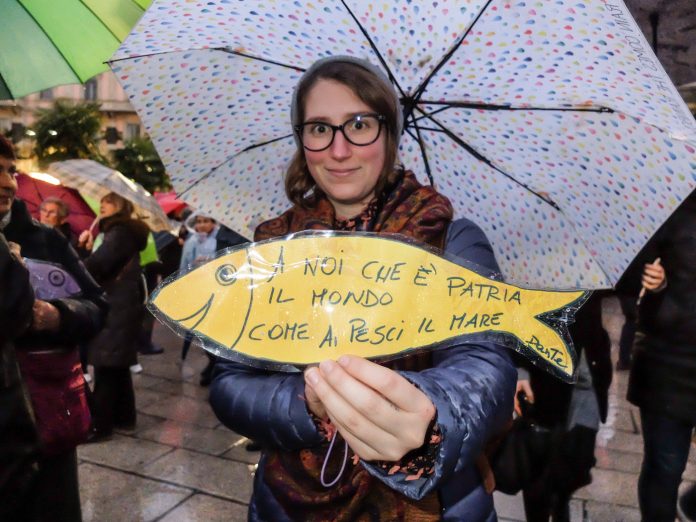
{"x":421,"y":213}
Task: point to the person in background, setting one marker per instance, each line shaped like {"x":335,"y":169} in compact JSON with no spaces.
{"x":569,"y":413}
{"x":414,"y":428}
{"x":54,"y":213}
{"x":662,"y":381}
{"x":57,"y":326}
{"x":115,"y":264}
{"x":19,"y":443}
{"x":208,"y":238}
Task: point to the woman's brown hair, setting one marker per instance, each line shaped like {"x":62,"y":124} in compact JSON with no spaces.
{"x":125,"y":207}
{"x":300,"y":187}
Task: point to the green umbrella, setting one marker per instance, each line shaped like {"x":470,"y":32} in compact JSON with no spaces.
{"x":44,"y":43}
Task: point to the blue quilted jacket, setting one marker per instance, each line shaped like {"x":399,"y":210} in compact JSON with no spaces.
{"x":471,"y":385}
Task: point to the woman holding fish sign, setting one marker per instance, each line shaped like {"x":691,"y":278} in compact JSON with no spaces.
{"x":413,"y":427}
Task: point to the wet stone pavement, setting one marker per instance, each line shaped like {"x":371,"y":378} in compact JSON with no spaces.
{"x":181,"y":464}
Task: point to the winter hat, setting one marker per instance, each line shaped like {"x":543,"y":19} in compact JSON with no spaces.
{"x":376,"y":71}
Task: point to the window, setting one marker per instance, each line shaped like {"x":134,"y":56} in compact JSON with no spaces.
{"x":91,"y":89}
{"x":132,"y":131}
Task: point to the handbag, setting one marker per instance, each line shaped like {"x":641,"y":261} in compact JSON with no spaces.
{"x":58,"y":392}
{"x":522,"y":455}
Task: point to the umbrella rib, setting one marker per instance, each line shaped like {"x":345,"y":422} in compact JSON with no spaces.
{"x":265,"y":60}
{"x":100,"y":20}
{"x":476,"y":154}
{"x":374,"y":48}
{"x":214,"y":169}
{"x":495,"y":107}
{"x":449,"y":53}
{"x":65,"y":59}
{"x":421,"y":143}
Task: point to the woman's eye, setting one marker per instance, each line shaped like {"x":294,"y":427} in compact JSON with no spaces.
{"x":360,"y":125}
{"x":318,"y":129}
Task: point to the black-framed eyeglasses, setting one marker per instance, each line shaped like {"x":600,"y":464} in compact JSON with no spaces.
{"x":360,"y":130}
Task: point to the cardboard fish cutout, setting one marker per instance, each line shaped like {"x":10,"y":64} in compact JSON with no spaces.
{"x":50,"y":281}
{"x":312,"y":296}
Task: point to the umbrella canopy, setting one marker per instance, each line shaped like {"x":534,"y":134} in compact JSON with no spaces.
{"x":96,"y":181}
{"x":33,"y":189}
{"x":47,"y":43}
{"x":169,"y":202}
{"x":552,"y":126}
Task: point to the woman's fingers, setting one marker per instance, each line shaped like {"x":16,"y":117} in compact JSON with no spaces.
{"x":653,"y":276}
{"x":377,"y":427}
{"x":362,"y":434}
{"x":395,"y":388}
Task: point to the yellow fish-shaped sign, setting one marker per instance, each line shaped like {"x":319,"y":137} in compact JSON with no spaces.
{"x":308,"y":297}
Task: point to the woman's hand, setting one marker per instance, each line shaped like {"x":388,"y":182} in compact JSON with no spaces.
{"x":654,"y":277}
{"x":523,"y":386}
{"x":381,"y":415}
{"x":86,"y":240}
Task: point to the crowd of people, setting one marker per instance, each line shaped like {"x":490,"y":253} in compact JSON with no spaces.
{"x":425,"y":437}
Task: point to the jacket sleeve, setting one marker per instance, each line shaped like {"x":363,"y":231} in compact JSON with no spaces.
{"x":17,"y":295}
{"x":265,"y":406}
{"x":109,"y":259}
{"x":471,"y":385}
{"x":186,"y":255}
{"x":82,"y":316}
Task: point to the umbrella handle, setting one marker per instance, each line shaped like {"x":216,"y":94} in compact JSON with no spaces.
{"x":94,"y":224}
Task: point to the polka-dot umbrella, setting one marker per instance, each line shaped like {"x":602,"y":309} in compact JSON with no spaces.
{"x":551,"y":124}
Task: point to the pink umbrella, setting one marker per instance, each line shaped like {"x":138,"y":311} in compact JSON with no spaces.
{"x":33,"y":191}
{"x":169,"y":202}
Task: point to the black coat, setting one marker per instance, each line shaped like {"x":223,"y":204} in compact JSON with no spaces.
{"x":18,"y":437}
{"x":81,"y":316}
{"x":552,"y":396}
{"x":116,"y":266}
{"x":663,"y":375}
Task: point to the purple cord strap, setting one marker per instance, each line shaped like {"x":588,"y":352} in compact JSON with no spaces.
{"x":326,"y":460}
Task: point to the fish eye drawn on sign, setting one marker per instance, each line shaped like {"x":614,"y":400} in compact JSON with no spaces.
{"x":297,"y":300}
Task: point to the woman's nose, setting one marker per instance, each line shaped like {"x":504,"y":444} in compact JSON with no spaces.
{"x":341,"y":147}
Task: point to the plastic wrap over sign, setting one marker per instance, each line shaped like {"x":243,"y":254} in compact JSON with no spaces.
{"x":304,"y":298}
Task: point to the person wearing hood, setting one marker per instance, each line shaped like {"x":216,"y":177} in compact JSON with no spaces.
{"x":407,"y":436}
{"x":662,"y":382}
{"x":208,"y":238}
{"x":115,"y":264}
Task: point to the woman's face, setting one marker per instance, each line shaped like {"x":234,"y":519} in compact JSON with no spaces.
{"x":346,"y":173}
{"x":203,"y":225}
{"x":107,"y":208}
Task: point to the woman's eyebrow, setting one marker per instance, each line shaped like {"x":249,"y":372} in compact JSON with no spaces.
{"x":345,"y":117}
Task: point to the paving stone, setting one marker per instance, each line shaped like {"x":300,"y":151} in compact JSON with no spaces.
{"x":611,"y":487}
{"x":220,"y":477}
{"x":509,"y":507}
{"x":110,"y":495}
{"x":204,"y":508}
{"x":121,"y":452}
{"x":187,"y":389}
{"x":144,"y":422}
{"x":600,"y":512}
{"x":238,"y":451}
{"x":183,"y":409}
{"x":190,"y":436}
{"x":620,"y":440}
{"x":144,"y":381}
{"x":169,"y":370}
{"x":147,"y":396}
